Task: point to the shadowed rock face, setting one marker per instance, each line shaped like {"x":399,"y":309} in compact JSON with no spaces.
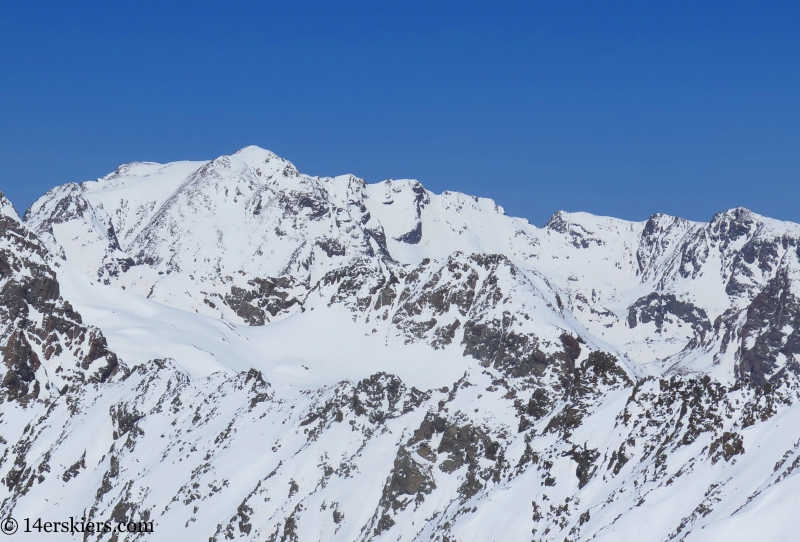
{"x":409,"y":483}
{"x":29,"y":287}
{"x":22,"y":363}
{"x":665,"y":308}
{"x":513,"y":353}
{"x":771,"y":332}
{"x":267,"y":299}
{"x":413,"y":237}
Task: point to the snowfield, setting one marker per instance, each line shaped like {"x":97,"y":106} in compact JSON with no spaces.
{"x":234,"y":350}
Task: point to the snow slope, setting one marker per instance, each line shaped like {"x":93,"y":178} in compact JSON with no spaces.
{"x":274,"y":344}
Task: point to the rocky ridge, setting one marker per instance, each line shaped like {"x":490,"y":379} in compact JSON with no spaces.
{"x":615,"y":380}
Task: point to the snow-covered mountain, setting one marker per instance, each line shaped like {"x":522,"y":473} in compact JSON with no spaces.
{"x":232,"y":349}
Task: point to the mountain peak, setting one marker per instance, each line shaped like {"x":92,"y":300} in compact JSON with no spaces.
{"x":411,"y":356}
{"x":7,"y":208}
{"x":254,"y":153}
{"x":736,"y":213}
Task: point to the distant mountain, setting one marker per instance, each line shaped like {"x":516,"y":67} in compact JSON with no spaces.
{"x":232,"y":349}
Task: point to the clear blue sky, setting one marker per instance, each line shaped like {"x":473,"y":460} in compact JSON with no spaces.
{"x":616,"y":108}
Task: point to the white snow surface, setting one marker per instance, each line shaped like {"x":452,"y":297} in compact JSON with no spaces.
{"x":318,"y":358}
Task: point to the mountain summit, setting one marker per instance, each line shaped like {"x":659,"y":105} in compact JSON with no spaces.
{"x":233,"y":350}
